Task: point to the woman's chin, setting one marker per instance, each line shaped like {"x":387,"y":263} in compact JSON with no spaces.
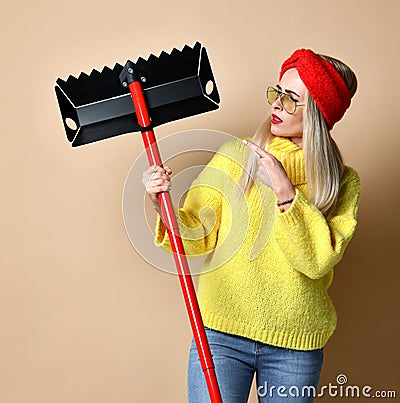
{"x":277,"y":132}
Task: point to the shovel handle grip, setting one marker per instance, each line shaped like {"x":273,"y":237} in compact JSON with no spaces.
{"x":170,"y":221}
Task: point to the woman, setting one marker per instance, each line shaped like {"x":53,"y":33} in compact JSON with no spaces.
{"x":263,"y":290}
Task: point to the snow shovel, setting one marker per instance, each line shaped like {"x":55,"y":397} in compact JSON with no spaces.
{"x":138,"y":97}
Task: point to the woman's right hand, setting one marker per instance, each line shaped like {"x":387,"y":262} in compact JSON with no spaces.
{"x":155,"y":180}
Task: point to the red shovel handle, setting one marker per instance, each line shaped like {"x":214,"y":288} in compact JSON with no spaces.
{"x":168,"y":215}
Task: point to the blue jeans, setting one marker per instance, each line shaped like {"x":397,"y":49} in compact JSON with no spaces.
{"x":282,"y":375}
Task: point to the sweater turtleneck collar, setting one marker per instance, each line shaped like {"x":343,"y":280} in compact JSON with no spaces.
{"x":291,"y":157}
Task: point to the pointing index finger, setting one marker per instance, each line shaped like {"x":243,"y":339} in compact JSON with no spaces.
{"x":257,"y":149}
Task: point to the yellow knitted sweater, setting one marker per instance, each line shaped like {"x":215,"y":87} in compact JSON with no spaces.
{"x":267,"y":273}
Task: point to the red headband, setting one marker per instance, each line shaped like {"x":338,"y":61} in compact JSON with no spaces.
{"x":323,"y":81}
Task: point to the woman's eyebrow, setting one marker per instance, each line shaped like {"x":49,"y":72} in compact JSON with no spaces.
{"x":288,"y":91}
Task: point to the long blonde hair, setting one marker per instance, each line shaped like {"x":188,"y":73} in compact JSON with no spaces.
{"x":323,"y":161}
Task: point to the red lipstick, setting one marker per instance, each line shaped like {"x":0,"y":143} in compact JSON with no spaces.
{"x":275,"y":120}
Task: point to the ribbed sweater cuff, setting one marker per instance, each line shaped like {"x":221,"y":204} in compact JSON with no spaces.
{"x":296,"y":211}
{"x":160,"y":232}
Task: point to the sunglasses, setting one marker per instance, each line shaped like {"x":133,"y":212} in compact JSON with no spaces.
{"x":288,"y":102}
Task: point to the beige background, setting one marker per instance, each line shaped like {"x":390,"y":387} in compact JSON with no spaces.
{"x":83,"y":318}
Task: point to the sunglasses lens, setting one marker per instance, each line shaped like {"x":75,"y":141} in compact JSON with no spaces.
{"x":288,"y":104}
{"x":272,"y":95}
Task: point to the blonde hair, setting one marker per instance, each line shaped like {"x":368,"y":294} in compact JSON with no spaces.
{"x":323,"y":161}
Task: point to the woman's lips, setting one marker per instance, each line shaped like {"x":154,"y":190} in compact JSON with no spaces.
{"x":275,"y":120}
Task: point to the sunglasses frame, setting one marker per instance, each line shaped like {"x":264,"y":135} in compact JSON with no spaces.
{"x":279,"y":94}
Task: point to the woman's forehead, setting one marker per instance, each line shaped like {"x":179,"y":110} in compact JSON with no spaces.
{"x":291,"y":81}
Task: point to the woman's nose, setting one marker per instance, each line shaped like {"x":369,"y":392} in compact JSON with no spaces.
{"x":277,"y":104}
